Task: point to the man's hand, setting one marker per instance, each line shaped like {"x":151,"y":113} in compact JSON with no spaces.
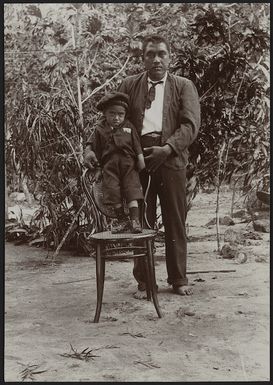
{"x":140,"y":162}
{"x":90,"y":160}
{"x":155,"y":156}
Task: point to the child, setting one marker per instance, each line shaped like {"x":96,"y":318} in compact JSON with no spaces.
{"x":116,"y":149}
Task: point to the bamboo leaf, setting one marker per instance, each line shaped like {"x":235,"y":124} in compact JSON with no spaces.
{"x":37,"y":241}
{"x":18,"y":231}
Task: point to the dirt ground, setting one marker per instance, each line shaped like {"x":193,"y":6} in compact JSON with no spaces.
{"x":220,"y":333}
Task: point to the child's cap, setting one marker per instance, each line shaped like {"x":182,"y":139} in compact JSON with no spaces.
{"x":113,"y":99}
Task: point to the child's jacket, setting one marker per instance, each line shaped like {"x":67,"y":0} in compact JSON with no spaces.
{"x":105,"y":141}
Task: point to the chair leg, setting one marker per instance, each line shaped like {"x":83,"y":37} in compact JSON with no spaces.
{"x":152,"y":277}
{"x":100,"y":271}
{"x":148,"y":281}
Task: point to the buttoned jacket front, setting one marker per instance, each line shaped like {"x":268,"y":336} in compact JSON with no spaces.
{"x":181,"y":113}
{"x":106,"y":141}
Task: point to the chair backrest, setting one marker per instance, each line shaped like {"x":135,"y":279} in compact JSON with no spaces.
{"x":87,"y":180}
{"x":97,"y":192}
{"x":94,"y":194}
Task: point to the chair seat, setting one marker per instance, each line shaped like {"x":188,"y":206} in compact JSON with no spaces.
{"x":108,"y":236}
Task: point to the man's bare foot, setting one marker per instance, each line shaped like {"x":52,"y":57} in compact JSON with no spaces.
{"x":141,"y":291}
{"x":183,"y":290}
{"x":140,"y":294}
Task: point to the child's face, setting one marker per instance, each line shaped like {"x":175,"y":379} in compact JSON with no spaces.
{"x":115,"y":115}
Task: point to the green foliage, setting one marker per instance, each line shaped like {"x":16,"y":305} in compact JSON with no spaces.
{"x":61,"y":58}
{"x":227,"y":58}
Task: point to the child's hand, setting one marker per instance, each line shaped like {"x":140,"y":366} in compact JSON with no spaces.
{"x":90,"y":159}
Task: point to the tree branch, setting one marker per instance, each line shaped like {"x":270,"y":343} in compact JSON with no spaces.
{"x":202,"y":97}
{"x":70,"y":93}
{"x":107,"y":81}
{"x":93,"y":61}
{"x":238,"y":91}
{"x":70,"y":88}
{"x":225,"y":160}
{"x":117,"y":58}
{"x":218,"y":194}
{"x":69,"y":143}
{"x":68,"y":231}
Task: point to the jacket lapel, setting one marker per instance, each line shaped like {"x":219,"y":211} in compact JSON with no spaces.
{"x":138,"y":101}
{"x":166,"y":105}
{"x":143,"y":90}
{"x":167,"y":96}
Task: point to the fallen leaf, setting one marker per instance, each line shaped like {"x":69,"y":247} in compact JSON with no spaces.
{"x":137,"y":335}
{"x":148,"y":364}
{"x":260,"y":259}
{"x":189,"y":313}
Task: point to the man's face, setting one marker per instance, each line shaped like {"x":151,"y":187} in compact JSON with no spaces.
{"x":156,"y":60}
{"x":115,"y":115}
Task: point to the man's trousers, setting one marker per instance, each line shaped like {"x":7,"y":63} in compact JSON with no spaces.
{"x":170,"y":186}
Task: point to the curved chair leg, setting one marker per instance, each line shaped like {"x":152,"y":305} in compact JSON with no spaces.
{"x":100,"y":269}
{"x":148,"y":278}
{"x":152,"y":277}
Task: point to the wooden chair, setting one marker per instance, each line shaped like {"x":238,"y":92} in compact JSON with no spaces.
{"x":117,"y":246}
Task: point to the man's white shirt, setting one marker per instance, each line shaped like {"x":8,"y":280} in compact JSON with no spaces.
{"x":152,"y":121}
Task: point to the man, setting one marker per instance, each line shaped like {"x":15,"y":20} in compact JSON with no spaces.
{"x":165,"y":110}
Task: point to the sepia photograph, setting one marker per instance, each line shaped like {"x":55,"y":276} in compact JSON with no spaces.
{"x":137,"y":192}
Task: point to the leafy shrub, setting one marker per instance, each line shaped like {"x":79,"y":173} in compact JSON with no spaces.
{"x":59,"y":60}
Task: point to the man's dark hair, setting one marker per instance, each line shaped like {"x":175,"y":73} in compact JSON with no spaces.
{"x":156,"y":39}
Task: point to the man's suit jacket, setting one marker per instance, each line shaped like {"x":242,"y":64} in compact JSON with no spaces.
{"x":181,"y":113}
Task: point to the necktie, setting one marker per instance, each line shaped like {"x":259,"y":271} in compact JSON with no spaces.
{"x":151,"y":94}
